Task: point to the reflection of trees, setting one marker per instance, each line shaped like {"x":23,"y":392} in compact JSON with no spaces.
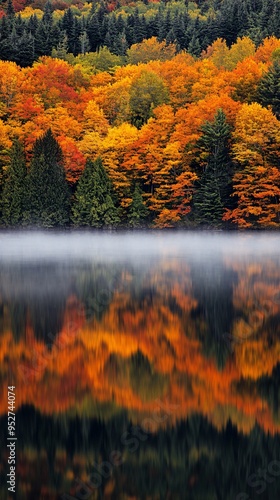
{"x":37,"y":293}
{"x":257,"y":308}
{"x":271,"y":329}
{"x":145,"y":342}
{"x":145,"y":382}
{"x":269,"y":389}
{"x":95,"y":287}
{"x":18,"y":312}
{"x":46,"y":314}
{"x":138,"y":373}
{"x":191,"y":460}
{"x":141,"y":346}
{"x":212,"y":285}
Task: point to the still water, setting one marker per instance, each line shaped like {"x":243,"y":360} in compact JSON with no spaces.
{"x":144,"y":365}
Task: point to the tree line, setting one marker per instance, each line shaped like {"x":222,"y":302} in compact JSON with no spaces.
{"x":166,"y":140}
{"x":25,"y":40}
{"x":41,"y":196}
{"x":190,"y":455}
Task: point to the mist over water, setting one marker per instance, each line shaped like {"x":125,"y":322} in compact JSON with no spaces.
{"x":41,"y":264}
{"x":97,"y":327}
{"x":31,"y":247}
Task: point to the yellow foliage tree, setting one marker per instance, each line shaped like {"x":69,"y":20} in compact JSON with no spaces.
{"x":94,"y":119}
{"x":149,"y":50}
{"x":257,"y":182}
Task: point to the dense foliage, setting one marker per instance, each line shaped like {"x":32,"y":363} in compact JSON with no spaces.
{"x":171,"y":108}
{"x":94,"y":349}
{"x":189,"y":25}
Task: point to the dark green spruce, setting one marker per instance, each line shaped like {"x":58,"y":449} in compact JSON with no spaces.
{"x":25,"y":40}
{"x":94,"y":204}
{"x":47,"y":190}
{"x":137,"y":212}
{"x":268,"y":93}
{"x":214,"y":187}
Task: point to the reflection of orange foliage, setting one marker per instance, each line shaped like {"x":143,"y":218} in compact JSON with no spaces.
{"x":78,"y":363}
{"x":254,"y":360}
{"x":254,"y":296}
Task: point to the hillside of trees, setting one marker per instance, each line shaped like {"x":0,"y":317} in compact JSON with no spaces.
{"x":142,"y":114}
{"x":41,"y":27}
{"x":95,"y":349}
{"x":180,"y":461}
{"x":204,"y":338}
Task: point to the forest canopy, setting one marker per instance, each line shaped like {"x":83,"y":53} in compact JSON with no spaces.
{"x":171,"y":108}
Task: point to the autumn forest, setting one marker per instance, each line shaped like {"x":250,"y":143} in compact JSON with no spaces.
{"x":182,"y":352}
{"x":145,"y":364}
{"x":153,"y":114}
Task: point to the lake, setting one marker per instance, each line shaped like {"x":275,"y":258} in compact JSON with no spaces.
{"x":140,"y":365}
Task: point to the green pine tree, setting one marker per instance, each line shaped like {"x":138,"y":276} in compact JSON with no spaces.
{"x":10,"y":46}
{"x":120,"y":45}
{"x":214,"y":189}
{"x":94,"y":204}
{"x":26,"y":52}
{"x":41,"y":40}
{"x":47,"y":18}
{"x":194,"y":47}
{"x":268,"y":93}
{"x":14,"y":191}
{"x":137,"y":210}
{"x":62,"y":48}
{"x":47,"y":190}
{"x":10,"y":9}
{"x":93,"y":31}
{"x":208,"y":207}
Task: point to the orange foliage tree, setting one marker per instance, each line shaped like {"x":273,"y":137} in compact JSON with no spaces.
{"x":257,"y":181}
{"x":89,"y":113}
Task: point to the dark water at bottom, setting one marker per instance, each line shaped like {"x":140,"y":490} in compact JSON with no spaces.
{"x":140,"y":366}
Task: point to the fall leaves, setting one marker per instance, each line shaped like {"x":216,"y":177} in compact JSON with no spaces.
{"x":257,"y":183}
{"x":172,"y":318}
{"x":145,"y":121}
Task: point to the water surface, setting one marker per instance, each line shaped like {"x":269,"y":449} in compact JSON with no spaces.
{"x":146,"y":365}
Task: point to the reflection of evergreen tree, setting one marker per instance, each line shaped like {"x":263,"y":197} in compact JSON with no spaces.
{"x":47,"y":317}
{"x":95,"y":288}
{"x":38,"y":292}
{"x":18,"y":312}
{"x":269,"y":388}
{"x":94,"y":198}
{"x":137,"y":372}
{"x":14,"y":197}
{"x":47,"y":308}
{"x":213,"y":286}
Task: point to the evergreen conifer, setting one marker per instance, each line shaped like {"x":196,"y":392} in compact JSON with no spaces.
{"x":47,"y":190}
{"x":94,"y":204}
